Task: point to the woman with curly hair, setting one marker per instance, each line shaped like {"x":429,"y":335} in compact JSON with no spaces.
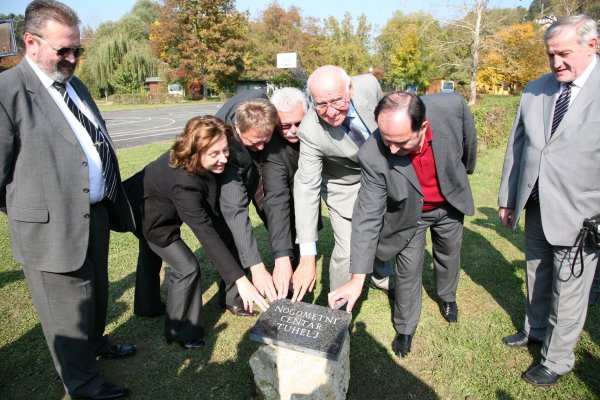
{"x":180,"y":187}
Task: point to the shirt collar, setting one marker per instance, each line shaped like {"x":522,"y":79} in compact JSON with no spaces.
{"x":351,"y":111}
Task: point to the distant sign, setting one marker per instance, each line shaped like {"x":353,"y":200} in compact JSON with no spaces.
{"x":287,"y":60}
{"x":8,"y":45}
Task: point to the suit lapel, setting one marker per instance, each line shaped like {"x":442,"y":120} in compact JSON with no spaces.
{"x":46,"y":105}
{"x":338,"y":138}
{"x":586,"y":94}
{"x":549,"y":101}
{"x":364,"y":111}
{"x":404,"y":166}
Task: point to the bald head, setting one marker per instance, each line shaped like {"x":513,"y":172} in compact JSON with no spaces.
{"x":331,"y":90}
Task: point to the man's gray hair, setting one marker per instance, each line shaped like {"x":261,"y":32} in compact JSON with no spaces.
{"x":286,"y":99}
{"x":38,"y":12}
{"x":586,"y":28}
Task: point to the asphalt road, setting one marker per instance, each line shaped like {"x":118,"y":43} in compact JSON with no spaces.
{"x":138,"y":127}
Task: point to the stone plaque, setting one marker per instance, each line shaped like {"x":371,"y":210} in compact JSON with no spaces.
{"x":303,"y":327}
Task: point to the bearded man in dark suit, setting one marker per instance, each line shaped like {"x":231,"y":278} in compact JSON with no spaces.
{"x":62,"y":192}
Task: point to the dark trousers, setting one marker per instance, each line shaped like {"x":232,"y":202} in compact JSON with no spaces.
{"x":72,"y":308}
{"x":184,"y":302}
{"x":147,"y":301}
{"x":446,"y":226}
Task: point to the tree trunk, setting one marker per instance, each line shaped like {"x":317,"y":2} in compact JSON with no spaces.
{"x":480,"y":8}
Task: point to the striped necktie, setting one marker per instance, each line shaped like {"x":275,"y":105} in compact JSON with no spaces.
{"x":561,"y":107}
{"x":100,"y":142}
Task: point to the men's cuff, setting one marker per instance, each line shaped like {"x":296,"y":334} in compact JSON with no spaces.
{"x":283,"y":253}
{"x":308,"y":249}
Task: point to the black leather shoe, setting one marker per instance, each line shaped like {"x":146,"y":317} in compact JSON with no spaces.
{"x":388,"y":293}
{"x":192,"y":344}
{"x":540,"y":376}
{"x":520,"y":339}
{"x":107,"y":391}
{"x":118,"y":350}
{"x":449,"y":311}
{"x":401,"y":345}
{"x":238,"y":311}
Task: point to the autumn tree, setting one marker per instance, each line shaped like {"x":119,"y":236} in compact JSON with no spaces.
{"x":201,"y":40}
{"x":517,"y":56}
{"x":277,"y":30}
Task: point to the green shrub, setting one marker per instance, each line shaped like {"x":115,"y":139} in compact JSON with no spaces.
{"x":494,"y":116}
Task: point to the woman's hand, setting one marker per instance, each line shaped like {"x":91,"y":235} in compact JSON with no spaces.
{"x":250,"y":295}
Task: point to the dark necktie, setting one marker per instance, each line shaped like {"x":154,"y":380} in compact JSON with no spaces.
{"x":561,"y":107}
{"x":353,"y":131}
{"x":100,"y":143}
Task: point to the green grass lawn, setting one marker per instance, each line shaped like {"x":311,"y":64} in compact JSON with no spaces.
{"x":463,"y":361}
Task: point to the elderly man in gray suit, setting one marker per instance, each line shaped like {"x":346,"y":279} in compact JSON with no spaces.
{"x":551,"y":169}
{"x":414,"y":177}
{"x":337,"y":123}
{"x":61,"y":189}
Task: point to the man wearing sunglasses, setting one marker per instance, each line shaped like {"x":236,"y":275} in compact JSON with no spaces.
{"x":279,"y":161}
{"x":338,"y":122}
{"x":61,"y":190}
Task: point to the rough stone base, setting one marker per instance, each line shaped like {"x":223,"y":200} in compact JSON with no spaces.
{"x":285,"y":374}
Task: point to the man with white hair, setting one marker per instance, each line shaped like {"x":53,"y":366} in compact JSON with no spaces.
{"x":279,"y":164}
{"x":551,"y":170}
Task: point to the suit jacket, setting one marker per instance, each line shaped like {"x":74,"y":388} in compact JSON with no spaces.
{"x":44,"y":175}
{"x":279,"y":162}
{"x":328,"y":163}
{"x":164,"y":198}
{"x":239,"y":182}
{"x":390,"y":200}
{"x":565,"y":165}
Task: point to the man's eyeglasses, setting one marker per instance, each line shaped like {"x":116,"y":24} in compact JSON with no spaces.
{"x":63,"y":51}
{"x":337,"y":103}
{"x":286,"y":127}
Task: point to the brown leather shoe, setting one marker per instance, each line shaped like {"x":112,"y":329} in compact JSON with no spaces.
{"x":240,"y":311}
